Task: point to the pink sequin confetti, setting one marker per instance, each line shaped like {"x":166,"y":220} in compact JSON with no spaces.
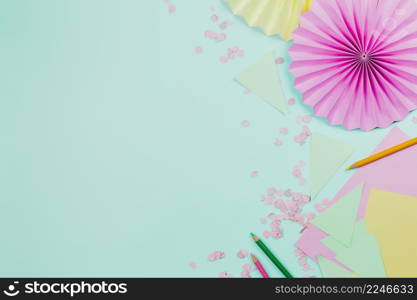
{"x":245,"y":274}
{"x":225,"y":275}
{"x":198,"y":50}
{"x":214,"y":18}
{"x":302,"y":137}
{"x":283,"y":131}
{"x":224,"y":25}
{"x":212,"y":9}
{"x":296,"y":172}
{"x":307,"y":119}
{"x":192,"y":265}
{"x":242,"y":253}
{"x":247,"y":267}
{"x":291,"y":101}
{"x":302,"y":260}
{"x":222,"y":37}
{"x":224,"y":59}
{"x":245,"y":123}
{"x":234,"y":52}
{"x":262,"y":220}
{"x":216,"y":255}
{"x":290,"y":209}
{"x":215,"y":36}
{"x":301,"y":163}
{"x":279,"y":60}
{"x":323,"y":205}
{"x":171,"y":8}
{"x":278,"y":142}
{"x":254,"y":174}
{"x":303,"y":181}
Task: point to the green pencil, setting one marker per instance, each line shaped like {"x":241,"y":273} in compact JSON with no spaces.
{"x":271,"y":256}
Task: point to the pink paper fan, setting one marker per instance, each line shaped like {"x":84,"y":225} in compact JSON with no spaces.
{"x":355,"y":61}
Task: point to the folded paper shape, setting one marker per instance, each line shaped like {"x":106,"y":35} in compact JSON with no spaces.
{"x":338,"y":220}
{"x":263,"y":79}
{"x":279,"y":17}
{"x":392,"y":218}
{"x":331,"y":270}
{"x":355,"y":62}
{"x":363,"y":255}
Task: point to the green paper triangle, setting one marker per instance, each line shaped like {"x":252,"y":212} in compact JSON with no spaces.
{"x":339,"y":219}
{"x":331,"y":270}
{"x":326,"y":157}
{"x":363,"y":256}
{"x":263,"y":79}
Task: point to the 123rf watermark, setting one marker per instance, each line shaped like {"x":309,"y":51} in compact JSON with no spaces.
{"x":365,"y":289}
{"x":71,"y":289}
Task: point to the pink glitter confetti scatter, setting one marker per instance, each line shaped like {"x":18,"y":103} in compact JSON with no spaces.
{"x":245,"y":123}
{"x":242,"y":253}
{"x":214,"y":36}
{"x":216,"y":255}
{"x":415,"y":120}
{"x":198,"y":50}
{"x":283,"y":131}
{"x":225,"y":275}
{"x":224,"y":25}
{"x":303,"y":181}
{"x":323,"y":205}
{"x":307,"y":119}
{"x":302,"y":260}
{"x":223,"y":59}
{"x":262,"y":220}
{"x":290,"y":209}
{"x":254,"y":174}
{"x":291,"y":101}
{"x":214,"y":18}
{"x":278,"y":142}
{"x":234,"y":52}
{"x":302,"y":137}
{"x":171,"y":8}
{"x":279,"y":60}
{"x":192,"y":265}
{"x":296,"y":172}
{"x":221,"y":37}
{"x":247,"y":269}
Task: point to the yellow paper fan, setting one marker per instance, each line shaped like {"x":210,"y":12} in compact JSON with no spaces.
{"x":279,"y":17}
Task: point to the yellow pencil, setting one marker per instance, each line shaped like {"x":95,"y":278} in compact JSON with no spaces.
{"x":383,"y":154}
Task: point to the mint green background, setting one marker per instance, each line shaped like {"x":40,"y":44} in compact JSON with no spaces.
{"x":121,"y":151}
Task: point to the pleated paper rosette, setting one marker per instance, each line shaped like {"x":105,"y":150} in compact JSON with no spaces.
{"x":274,"y":17}
{"x":355,"y":61}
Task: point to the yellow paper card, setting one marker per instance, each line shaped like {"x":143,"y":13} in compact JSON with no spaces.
{"x":392,"y":218}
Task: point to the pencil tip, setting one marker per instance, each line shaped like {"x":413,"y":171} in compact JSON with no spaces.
{"x":254,"y":237}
